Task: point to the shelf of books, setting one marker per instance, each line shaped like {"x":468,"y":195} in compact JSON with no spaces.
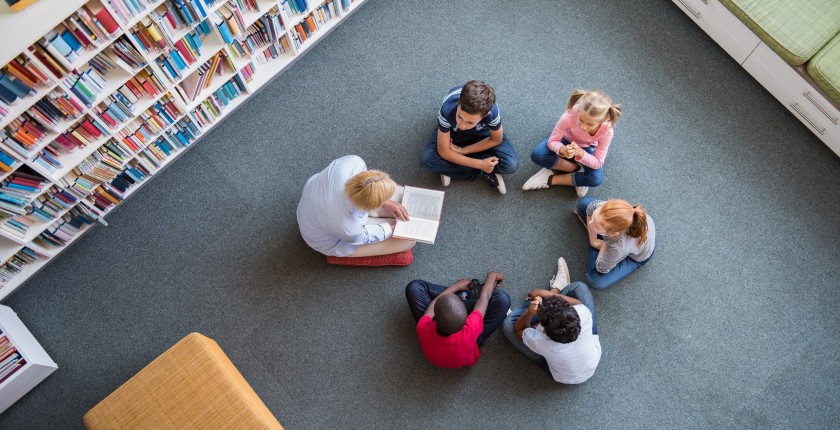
{"x":23,"y":362}
{"x":97,"y":96}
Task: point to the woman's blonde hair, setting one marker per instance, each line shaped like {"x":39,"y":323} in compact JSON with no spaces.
{"x":369,"y":189}
{"x":595,"y":103}
{"x":618,"y":216}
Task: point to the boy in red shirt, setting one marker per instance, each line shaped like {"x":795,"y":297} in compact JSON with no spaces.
{"x":453,"y":322}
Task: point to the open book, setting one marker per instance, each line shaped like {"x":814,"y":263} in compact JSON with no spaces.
{"x":424,"y":207}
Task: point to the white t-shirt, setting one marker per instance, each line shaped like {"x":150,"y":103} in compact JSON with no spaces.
{"x":570,"y":363}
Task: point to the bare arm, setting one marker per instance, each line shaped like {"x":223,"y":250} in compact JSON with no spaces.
{"x":459,"y":285}
{"x":493,"y":141}
{"x":493,"y":280}
{"x":446,"y":151}
{"x":524,"y":321}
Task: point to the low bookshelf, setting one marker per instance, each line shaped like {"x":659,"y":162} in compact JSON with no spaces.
{"x":23,"y":362}
{"x":98,"y":96}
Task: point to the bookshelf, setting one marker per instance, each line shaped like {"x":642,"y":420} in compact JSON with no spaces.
{"x":98,"y":96}
{"x":18,"y":379}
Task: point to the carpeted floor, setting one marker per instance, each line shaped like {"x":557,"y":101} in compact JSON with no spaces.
{"x":733,"y":324}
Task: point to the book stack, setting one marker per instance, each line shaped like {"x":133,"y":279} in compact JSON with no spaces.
{"x":87,"y":85}
{"x":312,"y":23}
{"x":23,"y":135}
{"x":48,"y":206}
{"x":17,"y":193}
{"x":294,"y":7}
{"x":124,"y":53}
{"x":230,"y":22}
{"x":19,"y":79}
{"x":185,"y":52}
{"x":119,"y":107}
{"x":150,"y":37}
{"x":150,"y":123}
{"x":179,"y":15}
{"x":133,"y":174}
{"x":218,"y":65}
{"x":104,"y":197}
{"x":7,"y":162}
{"x":212,"y":107}
{"x":10,"y":359}
{"x":92,"y":24}
{"x":183,"y":133}
{"x":126,"y":10}
{"x":117,"y":150}
{"x":18,"y":262}
{"x":67,"y":227}
{"x":54,"y":108}
{"x":262,"y":34}
{"x":327,"y":11}
{"x":84,"y":133}
{"x":97,"y":168}
{"x":155,"y":155}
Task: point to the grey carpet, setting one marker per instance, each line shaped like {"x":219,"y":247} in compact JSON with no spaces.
{"x":733,"y":324}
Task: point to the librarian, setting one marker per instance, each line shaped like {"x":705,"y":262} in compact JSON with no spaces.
{"x":340,"y":208}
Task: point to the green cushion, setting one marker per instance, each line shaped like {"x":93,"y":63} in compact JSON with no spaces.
{"x":794,"y":29}
{"x":824,"y":68}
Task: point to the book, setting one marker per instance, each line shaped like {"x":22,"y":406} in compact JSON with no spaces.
{"x":424,"y":208}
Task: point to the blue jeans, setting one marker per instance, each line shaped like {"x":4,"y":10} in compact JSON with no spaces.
{"x":596,"y":279}
{"x":584,"y":177}
{"x":420,"y":294}
{"x":578,"y":290}
{"x":430,"y":159}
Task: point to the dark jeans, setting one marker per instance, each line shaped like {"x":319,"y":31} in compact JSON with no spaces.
{"x":420,"y":294}
{"x":585,"y":177}
{"x":596,"y":279}
{"x":430,"y":159}
{"x":578,"y":290}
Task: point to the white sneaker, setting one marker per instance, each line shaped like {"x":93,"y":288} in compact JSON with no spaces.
{"x":538,"y":181}
{"x":445,"y":180}
{"x":562,"y":278}
{"x":501,"y":181}
{"x":581,"y":191}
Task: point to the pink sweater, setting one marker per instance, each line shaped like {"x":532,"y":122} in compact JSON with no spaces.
{"x":569,"y":128}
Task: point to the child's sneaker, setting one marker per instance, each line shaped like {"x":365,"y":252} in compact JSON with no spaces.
{"x":562,"y":278}
{"x":581,"y":191}
{"x":539,"y":180}
{"x":445,"y":180}
{"x":495,"y":180}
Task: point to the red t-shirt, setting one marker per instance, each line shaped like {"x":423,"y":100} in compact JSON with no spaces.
{"x":456,"y":350}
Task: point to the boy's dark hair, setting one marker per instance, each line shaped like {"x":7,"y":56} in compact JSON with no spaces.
{"x":559,"y":319}
{"x":450,"y":314}
{"x":477,"y":98}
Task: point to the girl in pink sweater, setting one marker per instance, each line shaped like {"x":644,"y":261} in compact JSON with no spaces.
{"x":574,"y":154}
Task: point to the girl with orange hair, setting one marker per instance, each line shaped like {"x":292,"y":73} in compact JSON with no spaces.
{"x":622,"y":238}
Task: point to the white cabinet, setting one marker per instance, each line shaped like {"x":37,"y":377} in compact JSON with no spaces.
{"x":791,"y":86}
{"x":798,"y":95}
{"x":38,"y":365}
{"x":722,"y":26}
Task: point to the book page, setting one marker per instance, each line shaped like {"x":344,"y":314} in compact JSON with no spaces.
{"x":421,"y":230}
{"x":423,"y":203}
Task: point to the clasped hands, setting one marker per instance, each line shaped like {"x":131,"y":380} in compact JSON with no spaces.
{"x":486,"y":164}
{"x":571,"y":150}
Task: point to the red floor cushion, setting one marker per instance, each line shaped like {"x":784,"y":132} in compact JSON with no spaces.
{"x":399,"y":259}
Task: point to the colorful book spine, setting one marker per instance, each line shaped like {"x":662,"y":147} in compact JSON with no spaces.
{"x":11,"y":268}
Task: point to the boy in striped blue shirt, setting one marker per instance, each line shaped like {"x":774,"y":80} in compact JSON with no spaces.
{"x":469,"y":141}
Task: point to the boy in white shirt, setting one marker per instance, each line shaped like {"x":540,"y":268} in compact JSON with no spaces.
{"x":557,"y":329}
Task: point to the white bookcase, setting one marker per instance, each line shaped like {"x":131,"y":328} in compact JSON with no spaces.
{"x":38,"y":365}
{"x":26,"y":28}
